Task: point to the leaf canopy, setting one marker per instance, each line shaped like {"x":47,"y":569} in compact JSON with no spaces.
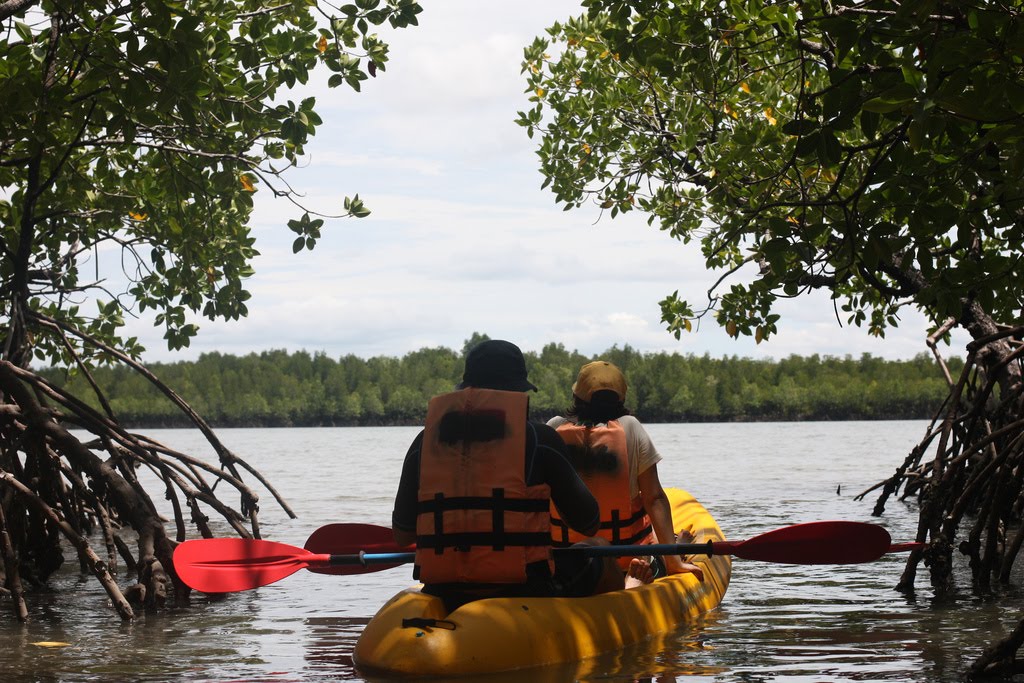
{"x":871,"y":149}
{"x":138,"y":132}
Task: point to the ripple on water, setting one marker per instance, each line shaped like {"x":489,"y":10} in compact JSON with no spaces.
{"x":778,"y":622}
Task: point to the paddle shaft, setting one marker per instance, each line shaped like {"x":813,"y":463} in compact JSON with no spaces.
{"x":220,"y":565}
{"x":709,"y":548}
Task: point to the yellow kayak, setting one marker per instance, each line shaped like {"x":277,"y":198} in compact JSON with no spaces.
{"x":413,"y":635}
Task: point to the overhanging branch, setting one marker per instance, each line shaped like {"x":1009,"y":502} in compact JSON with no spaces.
{"x":11,"y":7}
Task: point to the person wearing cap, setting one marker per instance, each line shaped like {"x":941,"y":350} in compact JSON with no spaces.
{"x":477,"y":486}
{"x":615,"y":456}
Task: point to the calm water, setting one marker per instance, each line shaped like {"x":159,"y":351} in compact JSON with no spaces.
{"x":777,"y":622}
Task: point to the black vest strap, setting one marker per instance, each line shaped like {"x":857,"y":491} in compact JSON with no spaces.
{"x":638,"y":536}
{"x":442,"y":503}
{"x":438,"y":516}
{"x":498,"y":519}
{"x":560,"y":538}
{"x":497,"y":538}
{"x":465,"y":540}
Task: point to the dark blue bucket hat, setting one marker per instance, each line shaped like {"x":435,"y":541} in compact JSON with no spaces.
{"x":496,"y":364}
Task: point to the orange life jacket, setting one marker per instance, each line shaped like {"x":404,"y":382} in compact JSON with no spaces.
{"x":477,"y":519}
{"x":600,"y":455}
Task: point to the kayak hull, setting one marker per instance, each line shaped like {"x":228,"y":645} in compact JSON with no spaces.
{"x":413,"y":634}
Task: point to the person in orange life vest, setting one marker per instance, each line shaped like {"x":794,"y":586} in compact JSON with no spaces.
{"x":476,"y":488}
{"x":616,"y":458}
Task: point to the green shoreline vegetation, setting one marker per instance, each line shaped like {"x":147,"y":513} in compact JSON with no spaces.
{"x":278,"y":388}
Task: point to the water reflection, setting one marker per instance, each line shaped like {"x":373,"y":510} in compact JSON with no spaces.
{"x":661,"y":659}
{"x":777,"y":622}
{"x":329,"y":642}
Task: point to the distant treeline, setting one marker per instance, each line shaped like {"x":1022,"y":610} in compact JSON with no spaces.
{"x":278,"y":388}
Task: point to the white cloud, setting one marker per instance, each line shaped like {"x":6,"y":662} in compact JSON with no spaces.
{"x":391,"y":164}
{"x":461,"y":238}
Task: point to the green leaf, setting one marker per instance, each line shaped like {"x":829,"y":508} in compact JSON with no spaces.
{"x":24,"y":31}
{"x":800,"y":127}
{"x":1015,"y":96}
{"x":845,"y":33}
{"x":830,"y":151}
{"x":880,"y":105}
{"x":808,"y":144}
{"x":972,"y":108}
{"x":916,"y":132}
{"x":892,"y":99}
{"x":869,"y":123}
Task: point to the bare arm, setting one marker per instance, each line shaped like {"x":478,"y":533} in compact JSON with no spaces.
{"x":660,"y":511}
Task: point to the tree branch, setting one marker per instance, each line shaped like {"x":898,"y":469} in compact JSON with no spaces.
{"x":11,"y":7}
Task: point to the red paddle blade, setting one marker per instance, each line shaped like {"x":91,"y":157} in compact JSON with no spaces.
{"x":345,"y":539}
{"x":904,"y":547}
{"x":226,"y":565}
{"x":814,"y":543}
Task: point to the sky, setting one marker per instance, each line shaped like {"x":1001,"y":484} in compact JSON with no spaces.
{"x":462,"y":238}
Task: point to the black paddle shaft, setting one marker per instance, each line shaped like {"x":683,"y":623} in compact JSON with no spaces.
{"x":367,"y":559}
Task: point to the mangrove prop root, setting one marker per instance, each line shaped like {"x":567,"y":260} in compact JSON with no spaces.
{"x":54,"y":484}
{"x":999,"y":660}
{"x":10,"y":561}
{"x":968,"y":475}
{"x":227,"y":458}
{"x":98,"y":567}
